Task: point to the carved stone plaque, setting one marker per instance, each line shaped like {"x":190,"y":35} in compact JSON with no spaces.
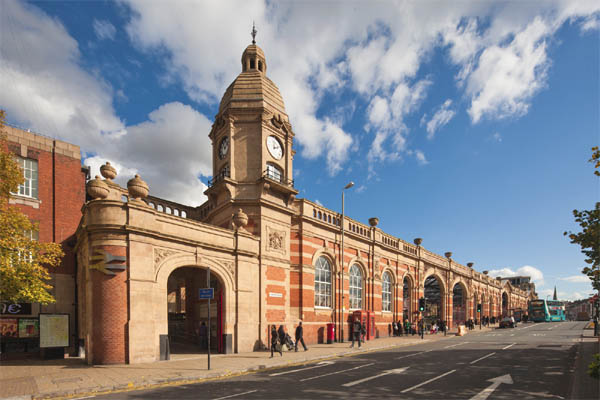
{"x":276,"y":240}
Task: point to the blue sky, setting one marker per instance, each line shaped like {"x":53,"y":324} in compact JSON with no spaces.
{"x":468,"y":124}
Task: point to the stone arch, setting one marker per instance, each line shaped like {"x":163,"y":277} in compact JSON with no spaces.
{"x":361,"y":263}
{"x":459,"y":310}
{"x":435,"y":308}
{"x":330,"y":257}
{"x":218,"y":268}
{"x":363,"y":283}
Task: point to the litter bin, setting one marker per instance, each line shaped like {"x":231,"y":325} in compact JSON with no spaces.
{"x":330,"y":333}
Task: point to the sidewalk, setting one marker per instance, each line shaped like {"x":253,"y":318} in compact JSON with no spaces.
{"x":33,"y":379}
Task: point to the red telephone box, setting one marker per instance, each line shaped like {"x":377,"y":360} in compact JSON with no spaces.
{"x":366,"y":318}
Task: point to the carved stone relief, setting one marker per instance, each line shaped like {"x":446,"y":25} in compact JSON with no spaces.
{"x":276,"y":240}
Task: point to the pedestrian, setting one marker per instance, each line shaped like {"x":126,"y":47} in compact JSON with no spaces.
{"x":281,"y":334}
{"x":203,"y":334}
{"x":300,"y":337}
{"x":363,"y":332}
{"x":355,"y":332}
{"x":394,"y":328}
{"x":406,"y":326}
{"x":275,"y":341}
{"x":443,"y":325}
{"x":400,"y":328}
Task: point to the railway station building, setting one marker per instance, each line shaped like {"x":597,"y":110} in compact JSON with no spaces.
{"x":274,"y":258}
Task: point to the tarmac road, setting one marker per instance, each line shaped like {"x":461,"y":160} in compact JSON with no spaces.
{"x":527,"y":362}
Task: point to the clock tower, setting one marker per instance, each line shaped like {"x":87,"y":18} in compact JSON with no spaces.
{"x":252,"y":142}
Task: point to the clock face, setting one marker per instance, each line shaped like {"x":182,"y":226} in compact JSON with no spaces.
{"x":274,"y":147}
{"x":223,"y":147}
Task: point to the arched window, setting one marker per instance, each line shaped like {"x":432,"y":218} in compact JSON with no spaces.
{"x":176,"y":212}
{"x":160,"y":208}
{"x":168,"y":210}
{"x":355,"y":287}
{"x":183,"y":214}
{"x":386,"y":292}
{"x":274,"y":172}
{"x":323,"y":283}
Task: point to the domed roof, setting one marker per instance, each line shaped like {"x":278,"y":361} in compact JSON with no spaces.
{"x":252,"y":88}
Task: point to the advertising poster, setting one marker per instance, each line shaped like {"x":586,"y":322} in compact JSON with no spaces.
{"x":54,"y":330}
{"x":8,"y":327}
{"x":29,"y":327}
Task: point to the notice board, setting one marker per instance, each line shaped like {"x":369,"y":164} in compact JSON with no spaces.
{"x":54,"y":330}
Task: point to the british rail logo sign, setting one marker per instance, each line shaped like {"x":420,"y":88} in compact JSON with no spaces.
{"x":107,"y":263}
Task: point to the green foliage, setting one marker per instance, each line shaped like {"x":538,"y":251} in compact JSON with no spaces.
{"x":589,"y":237}
{"x":24,"y":262}
{"x":594,"y":367}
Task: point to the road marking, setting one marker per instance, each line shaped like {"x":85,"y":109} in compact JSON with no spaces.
{"x":319,"y":365}
{"x":413,"y":354}
{"x":512,"y":334}
{"x":485,"y":393}
{"x":390,"y":371}
{"x":234,"y":395}
{"x":508,"y":347}
{"x":427,"y":381}
{"x":454,"y":345}
{"x":538,"y":334}
{"x":479,"y":359}
{"x":337,"y":372}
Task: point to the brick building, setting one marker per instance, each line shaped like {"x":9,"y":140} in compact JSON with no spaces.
{"x":52,"y":195}
{"x":274,"y":259}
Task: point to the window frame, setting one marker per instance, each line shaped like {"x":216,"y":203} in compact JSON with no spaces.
{"x":355,"y":288}
{"x":274,"y":172}
{"x":386,"y":293}
{"x":323,"y":286}
{"x":31,"y":182}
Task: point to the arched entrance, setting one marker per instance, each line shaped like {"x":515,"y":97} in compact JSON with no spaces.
{"x":504,"y":304}
{"x":459,"y":305}
{"x":407,"y":288}
{"x":434,"y":300}
{"x":188,"y":315}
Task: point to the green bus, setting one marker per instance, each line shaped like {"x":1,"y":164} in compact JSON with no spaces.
{"x":546,"y":310}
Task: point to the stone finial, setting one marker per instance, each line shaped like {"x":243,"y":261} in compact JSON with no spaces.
{"x":240,"y":219}
{"x":138,"y":189}
{"x":418,"y":241}
{"x":448,"y":254}
{"x":486,"y":272}
{"x":108,"y":172}
{"x":97,"y":189}
{"x":373,"y":221}
{"x":470,"y":265}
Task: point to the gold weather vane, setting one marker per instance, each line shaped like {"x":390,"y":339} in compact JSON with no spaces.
{"x":253,"y":33}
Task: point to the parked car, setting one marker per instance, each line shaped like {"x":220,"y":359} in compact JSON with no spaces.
{"x":508,"y":322}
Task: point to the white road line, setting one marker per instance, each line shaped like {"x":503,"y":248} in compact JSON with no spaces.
{"x":454,"y":345}
{"x":234,"y":395}
{"x":413,"y":354}
{"x":508,"y":347}
{"x":337,"y":372}
{"x":319,"y":365}
{"x":479,"y":359}
{"x":427,"y":381}
{"x":384,"y":373}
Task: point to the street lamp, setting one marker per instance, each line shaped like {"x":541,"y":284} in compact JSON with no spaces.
{"x":348,"y":186}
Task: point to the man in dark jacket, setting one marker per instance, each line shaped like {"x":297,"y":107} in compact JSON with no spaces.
{"x":356,"y":328}
{"x":275,"y":341}
{"x":299,"y":336}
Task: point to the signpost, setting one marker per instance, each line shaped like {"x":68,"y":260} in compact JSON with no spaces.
{"x":208,"y":294}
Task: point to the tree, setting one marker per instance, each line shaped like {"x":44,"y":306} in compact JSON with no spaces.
{"x":589,"y":237}
{"x":24,"y":261}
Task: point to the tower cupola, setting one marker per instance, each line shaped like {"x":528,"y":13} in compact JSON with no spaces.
{"x":253,"y":58}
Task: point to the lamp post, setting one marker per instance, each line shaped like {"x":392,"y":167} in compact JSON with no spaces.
{"x":348,"y":186}
{"x":417,"y":242}
{"x":448,"y":255}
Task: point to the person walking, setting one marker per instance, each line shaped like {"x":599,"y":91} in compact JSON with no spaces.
{"x":299,"y":337}
{"x":355,"y":332}
{"x":400,"y":330}
{"x":281,"y":334}
{"x":394,"y":328}
{"x":275,"y":341}
{"x":406,"y":327}
{"x":363,"y":332}
{"x":203,"y":334}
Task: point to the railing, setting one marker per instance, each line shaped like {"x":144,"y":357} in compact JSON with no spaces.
{"x":277,"y":176}
{"x":224,"y":173}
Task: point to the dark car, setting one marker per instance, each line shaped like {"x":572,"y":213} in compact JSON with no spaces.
{"x":508,"y":322}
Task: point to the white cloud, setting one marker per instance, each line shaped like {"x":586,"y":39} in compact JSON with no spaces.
{"x":442,"y":116}
{"x":576,"y":279}
{"x":537,"y":276}
{"x":47,"y":90}
{"x":421,"y":157}
{"x":104,"y":29}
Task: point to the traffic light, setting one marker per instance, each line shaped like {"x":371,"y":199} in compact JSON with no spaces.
{"x":479,"y":307}
{"x":422,"y":304}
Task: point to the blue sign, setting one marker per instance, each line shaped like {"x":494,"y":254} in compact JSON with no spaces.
{"x":206,"y":293}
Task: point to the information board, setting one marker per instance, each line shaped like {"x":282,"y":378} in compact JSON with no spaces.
{"x":54,"y":330}
{"x":29,"y":327}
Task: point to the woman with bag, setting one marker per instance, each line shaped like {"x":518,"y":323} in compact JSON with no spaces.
{"x":275,"y":346}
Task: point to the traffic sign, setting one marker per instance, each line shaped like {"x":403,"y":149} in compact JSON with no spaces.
{"x":206,"y":293}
